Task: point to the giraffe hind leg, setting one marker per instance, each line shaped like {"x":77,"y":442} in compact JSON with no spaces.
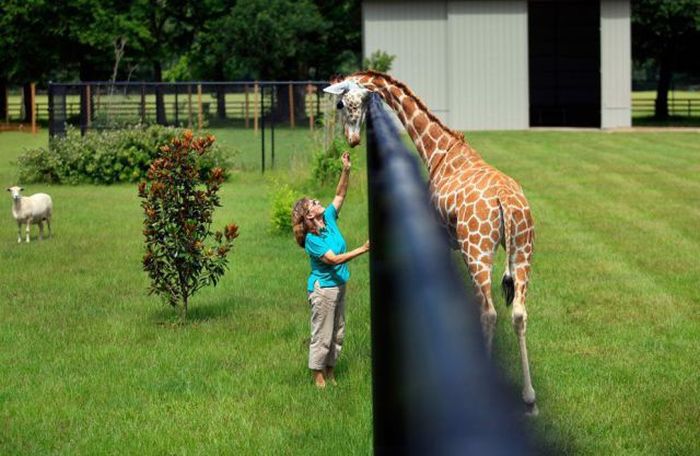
{"x":519,"y":320}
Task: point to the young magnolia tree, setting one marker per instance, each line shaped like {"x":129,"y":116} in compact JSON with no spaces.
{"x":181,"y":256}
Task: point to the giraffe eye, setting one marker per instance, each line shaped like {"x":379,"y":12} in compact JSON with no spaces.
{"x":340,"y":104}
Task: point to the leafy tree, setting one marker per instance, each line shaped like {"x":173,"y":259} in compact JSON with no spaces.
{"x":179,"y":209}
{"x":342,"y":48}
{"x":23,"y":55}
{"x":44,"y":40}
{"x":379,"y":61}
{"x":668,"y":32}
{"x":275,"y":39}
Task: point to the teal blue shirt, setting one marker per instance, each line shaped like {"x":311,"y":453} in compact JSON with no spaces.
{"x":316,"y":245}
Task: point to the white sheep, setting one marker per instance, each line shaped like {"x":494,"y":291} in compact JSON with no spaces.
{"x":28,"y":209}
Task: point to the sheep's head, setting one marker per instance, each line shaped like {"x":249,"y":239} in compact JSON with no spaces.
{"x":15,"y":192}
{"x":352,"y":105}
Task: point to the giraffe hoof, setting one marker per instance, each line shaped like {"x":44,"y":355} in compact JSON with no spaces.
{"x":531,"y":410}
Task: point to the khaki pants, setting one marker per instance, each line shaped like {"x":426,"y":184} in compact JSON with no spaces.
{"x":327,"y":326}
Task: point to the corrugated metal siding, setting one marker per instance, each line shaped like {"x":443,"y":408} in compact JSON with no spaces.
{"x":468,"y":60}
{"x":488,"y":64}
{"x":615,"y":62}
{"x":415,"y":33}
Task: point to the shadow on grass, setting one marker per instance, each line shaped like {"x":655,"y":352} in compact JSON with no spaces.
{"x":546,"y":434}
{"x":672,"y":121}
{"x":196,"y":314}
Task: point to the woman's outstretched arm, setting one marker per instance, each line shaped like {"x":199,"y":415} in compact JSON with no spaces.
{"x":342,"y":187}
{"x":331,"y":258}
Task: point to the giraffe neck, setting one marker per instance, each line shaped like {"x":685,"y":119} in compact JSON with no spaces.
{"x":433,"y":140}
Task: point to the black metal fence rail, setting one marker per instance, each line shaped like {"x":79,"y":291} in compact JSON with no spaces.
{"x":434,"y":389}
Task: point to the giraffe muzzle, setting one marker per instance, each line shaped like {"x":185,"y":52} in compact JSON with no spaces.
{"x":353,"y":140}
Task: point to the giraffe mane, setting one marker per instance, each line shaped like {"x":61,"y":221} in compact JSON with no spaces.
{"x":456,"y":134}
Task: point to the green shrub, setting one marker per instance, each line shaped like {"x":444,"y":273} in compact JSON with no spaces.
{"x":106,"y":157}
{"x":283,"y":198}
{"x":179,"y":207}
{"x":327,"y":166}
{"x":379,"y":61}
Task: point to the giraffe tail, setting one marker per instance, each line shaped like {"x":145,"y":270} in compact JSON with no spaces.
{"x":507,"y":284}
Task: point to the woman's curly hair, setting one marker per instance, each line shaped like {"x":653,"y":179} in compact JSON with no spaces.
{"x":300,"y":224}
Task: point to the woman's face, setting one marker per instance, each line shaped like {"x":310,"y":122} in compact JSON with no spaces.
{"x":314,"y":208}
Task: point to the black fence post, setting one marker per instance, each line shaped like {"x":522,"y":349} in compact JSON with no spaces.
{"x":389,"y":428}
{"x":273,"y":94}
{"x":262,"y":126}
{"x":434,"y":390}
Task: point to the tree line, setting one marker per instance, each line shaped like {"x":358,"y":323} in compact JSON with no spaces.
{"x":168,"y":40}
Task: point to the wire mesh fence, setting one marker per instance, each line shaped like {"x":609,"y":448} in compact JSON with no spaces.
{"x":244,"y":104}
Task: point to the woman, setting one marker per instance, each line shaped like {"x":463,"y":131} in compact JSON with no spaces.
{"x":317,"y":232}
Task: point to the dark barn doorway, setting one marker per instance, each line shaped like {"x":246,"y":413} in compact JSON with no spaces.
{"x":564,"y":53}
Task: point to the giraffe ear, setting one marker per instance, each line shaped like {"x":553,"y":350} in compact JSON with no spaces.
{"x":364,"y":94}
{"x":338,"y":88}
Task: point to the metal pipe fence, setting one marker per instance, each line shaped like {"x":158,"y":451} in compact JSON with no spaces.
{"x":242,"y":104}
{"x":434,"y":389}
{"x":254,"y":105}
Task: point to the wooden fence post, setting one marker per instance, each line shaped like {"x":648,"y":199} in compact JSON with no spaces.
{"x":311,"y":111}
{"x":247,"y":111}
{"x":143,"y":104}
{"x":88,"y":105}
{"x":255,"y":108}
{"x":33,"y":106}
{"x":291,"y":105}
{"x":199,"y":102}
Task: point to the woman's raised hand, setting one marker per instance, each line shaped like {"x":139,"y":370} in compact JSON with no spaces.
{"x":345,"y":158}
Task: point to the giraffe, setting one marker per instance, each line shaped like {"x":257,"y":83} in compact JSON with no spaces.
{"x":480,"y":207}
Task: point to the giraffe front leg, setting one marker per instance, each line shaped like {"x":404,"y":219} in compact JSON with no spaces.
{"x":481,"y":277}
{"x":519,"y":319}
{"x":488,"y":324}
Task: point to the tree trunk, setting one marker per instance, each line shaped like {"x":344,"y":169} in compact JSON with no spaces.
{"x":27,"y":102}
{"x":221,"y":102}
{"x":663,"y":86}
{"x":3,"y":101}
{"x":281,"y":108}
{"x":160,"y":101}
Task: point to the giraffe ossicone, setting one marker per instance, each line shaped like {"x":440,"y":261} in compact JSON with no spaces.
{"x":480,"y":207}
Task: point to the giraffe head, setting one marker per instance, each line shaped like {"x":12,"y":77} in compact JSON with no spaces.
{"x":352,"y":105}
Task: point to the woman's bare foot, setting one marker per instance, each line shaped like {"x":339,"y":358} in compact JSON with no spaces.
{"x":319,"y":380}
{"x":330,"y":376}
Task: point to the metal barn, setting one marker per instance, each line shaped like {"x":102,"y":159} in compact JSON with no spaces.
{"x":510,"y":64}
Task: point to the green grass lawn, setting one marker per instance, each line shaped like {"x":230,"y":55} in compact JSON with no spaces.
{"x":91,"y":364}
